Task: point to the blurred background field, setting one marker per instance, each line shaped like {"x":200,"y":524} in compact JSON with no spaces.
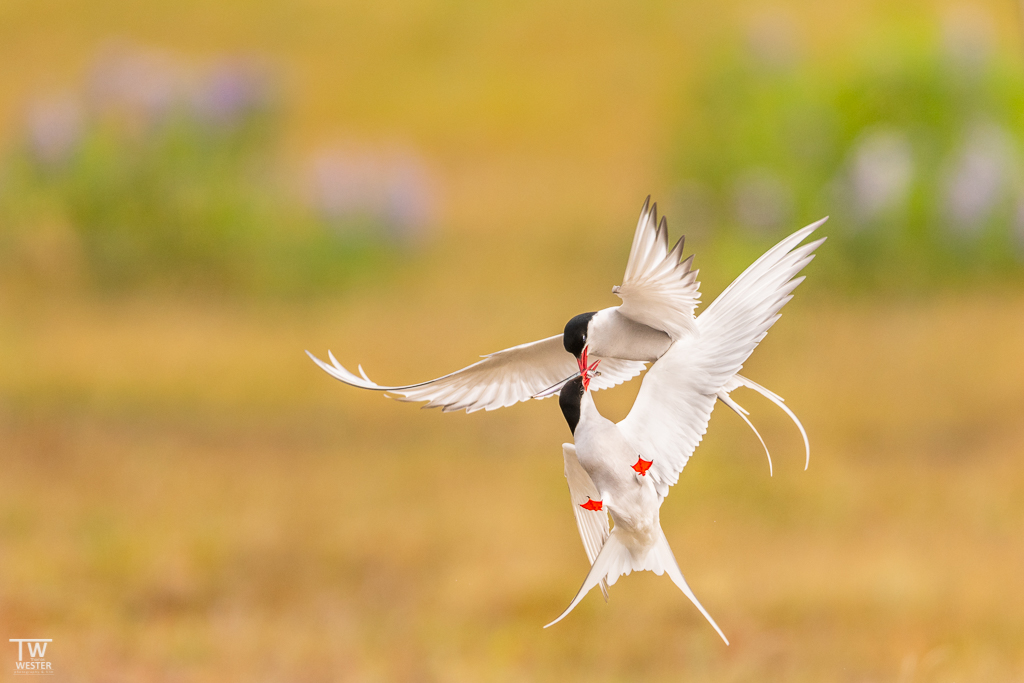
{"x":191,"y":195}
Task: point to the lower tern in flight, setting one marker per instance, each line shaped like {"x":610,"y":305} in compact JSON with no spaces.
{"x":624,"y":470}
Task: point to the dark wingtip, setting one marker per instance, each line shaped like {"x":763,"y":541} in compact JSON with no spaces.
{"x":680,"y":245}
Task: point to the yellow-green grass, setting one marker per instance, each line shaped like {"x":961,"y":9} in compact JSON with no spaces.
{"x":186,"y":497}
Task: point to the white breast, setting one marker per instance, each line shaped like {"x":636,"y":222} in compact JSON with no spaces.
{"x":607,"y":457}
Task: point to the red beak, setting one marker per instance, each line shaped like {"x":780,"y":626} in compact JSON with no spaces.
{"x":586,"y":369}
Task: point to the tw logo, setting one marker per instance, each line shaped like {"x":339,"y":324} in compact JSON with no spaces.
{"x":36,"y":664}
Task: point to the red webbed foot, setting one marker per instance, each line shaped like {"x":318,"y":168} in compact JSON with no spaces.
{"x":642,"y":466}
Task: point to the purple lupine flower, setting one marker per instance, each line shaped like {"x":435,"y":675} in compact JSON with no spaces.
{"x":54,"y":129}
{"x":232,"y":91}
{"x":979,"y":178}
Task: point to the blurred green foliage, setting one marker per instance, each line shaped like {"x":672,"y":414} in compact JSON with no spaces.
{"x":912,"y":141}
{"x":914,"y":149}
{"x":176,"y":193}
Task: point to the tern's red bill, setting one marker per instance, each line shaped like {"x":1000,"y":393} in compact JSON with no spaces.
{"x":586,"y":370}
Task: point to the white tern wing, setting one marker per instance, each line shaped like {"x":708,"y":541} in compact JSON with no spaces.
{"x":501,"y":379}
{"x":593,"y":524}
{"x":657,"y":289}
{"x":672,"y":409}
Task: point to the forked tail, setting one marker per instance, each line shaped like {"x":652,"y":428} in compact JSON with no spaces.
{"x":740,"y":381}
{"x":614,"y":560}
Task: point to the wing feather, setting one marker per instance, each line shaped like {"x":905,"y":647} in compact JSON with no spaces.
{"x":658,"y":290}
{"x":498,"y":380}
{"x":592,"y":524}
{"x":672,"y":409}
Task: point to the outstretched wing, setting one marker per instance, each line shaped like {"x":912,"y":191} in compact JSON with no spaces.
{"x":501,"y":379}
{"x":593,"y":524}
{"x":672,"y":409}
{"x":658,"y":289}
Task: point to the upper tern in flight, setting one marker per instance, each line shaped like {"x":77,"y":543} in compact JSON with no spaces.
{"x":659,"y":294}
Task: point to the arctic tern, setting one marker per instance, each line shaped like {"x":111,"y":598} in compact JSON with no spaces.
{"x":625,"y":470}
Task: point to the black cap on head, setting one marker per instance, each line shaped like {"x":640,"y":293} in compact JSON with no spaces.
{"x":574,"y":338}
{"x":569,"y":400}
